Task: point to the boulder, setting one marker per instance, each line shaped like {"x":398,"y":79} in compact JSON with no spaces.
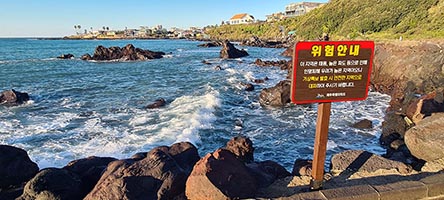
{"x":394,"y":127}
{"x":127,"y":53}
{"x":426,"y":138}
{"x":289,"y":51}
{"x":13,"y":98}
{"x":242,"y":148}
{"x":302,"y":167}
{"x":218,"y":68}
{"x":249,"y":87}
{"x":65,"y":56}
{"x":211,"y":44}
{"x":259,"y":80}
{"x":283,"y":64}
{"x":161,"y":174}
{"x":433,"y":166}
{"x":398,"y":66}
{"x":426,"y":106}
{"x":363,"y":124}
{"x":220,"y":175}
{"x":267,"y":172}
{"x":206,"y":62}
{"x":16,"y":167}
{"x":156,"y":104}
{"x":229,"y":51}
{"x":278,"y":95}
{"x":365,"y":164}
{"x":89,"y":171}
{"x":254,"y":41}
{"x":53,"y":184}
{"x":86,"y":57}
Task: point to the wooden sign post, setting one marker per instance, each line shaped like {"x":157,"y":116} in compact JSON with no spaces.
{"x":325,"y":72}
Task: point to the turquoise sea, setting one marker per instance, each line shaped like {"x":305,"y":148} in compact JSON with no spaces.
{"x":80,"y":108}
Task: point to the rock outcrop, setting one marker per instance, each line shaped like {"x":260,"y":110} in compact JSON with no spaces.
{"x":426,"y":106}
{"x":283,"y":64}
{"x":127,"y":53}
{"x":278,"y":95}
{"x":229,"y":51}
{"x":156,"y":104}
{"x":248,"y":87}
{"x":89,"y":170}
{"x":65,"y":56}
{"x":266,"y":172}
{"x":232,"y":173}
{"x":16,"y":167}
{"x":363,"y":124}
{"x":13,"y":98}
{"x":211,"y":44}
{"x":302,"y":167}
{"x":257,"y":42}
{"x":425,"y":140}
{"x":53,"y":184}
{"x":220,"y":175}
{"x":242,"y":148}
{"x":159,"y":174}
{"x":365,"y":164}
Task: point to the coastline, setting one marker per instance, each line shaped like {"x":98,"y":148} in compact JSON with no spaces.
{"x":384,"y":50}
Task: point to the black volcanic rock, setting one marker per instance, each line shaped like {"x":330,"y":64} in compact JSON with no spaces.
{"x":211,"y":44}
{"x":156,"y":104}
{"x":127,"y":53}
{"x":15,"y":166}
{"x":159,"y":174}
{"x":229,"y":51}
{"x":66,"y":56}
{"x":278,"y":95}
{"x":13,"y":98}
{"x":52,"y":184}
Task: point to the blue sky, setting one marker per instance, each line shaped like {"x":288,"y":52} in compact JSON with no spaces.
{"x":46,"y":18}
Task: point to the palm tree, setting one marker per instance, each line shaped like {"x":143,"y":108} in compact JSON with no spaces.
{"x":76,"y":27}
{"x":107,"y":28}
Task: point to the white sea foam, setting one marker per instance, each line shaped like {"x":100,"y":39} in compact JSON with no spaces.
{"x":249,"y":76}
{"x":231,"y":71}
{"x":185,"y":116}
{"x":331,"y":145}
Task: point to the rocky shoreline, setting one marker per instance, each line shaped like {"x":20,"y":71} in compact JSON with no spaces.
{"x":411,"y":73}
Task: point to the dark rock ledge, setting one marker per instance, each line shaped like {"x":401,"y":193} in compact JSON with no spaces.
{"x":127,"y":53}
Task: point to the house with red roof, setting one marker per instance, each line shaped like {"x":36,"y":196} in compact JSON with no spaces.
{"x":242,"y":18}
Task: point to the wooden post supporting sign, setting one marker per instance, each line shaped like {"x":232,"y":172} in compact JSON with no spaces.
{"x":325,"y":72}
{"x":320,"y":145}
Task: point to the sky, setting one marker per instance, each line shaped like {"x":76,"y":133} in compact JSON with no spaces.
{"x":50,"y":18}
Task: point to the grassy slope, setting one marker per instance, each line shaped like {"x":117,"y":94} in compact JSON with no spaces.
{"x":374,"y":19}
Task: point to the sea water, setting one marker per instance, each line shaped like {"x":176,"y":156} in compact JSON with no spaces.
{"x":80,"y":108}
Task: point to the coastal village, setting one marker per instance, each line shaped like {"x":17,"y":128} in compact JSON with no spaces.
{"x":160,"y":32}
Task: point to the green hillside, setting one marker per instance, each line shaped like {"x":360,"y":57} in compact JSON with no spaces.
{"x":374,"y":19}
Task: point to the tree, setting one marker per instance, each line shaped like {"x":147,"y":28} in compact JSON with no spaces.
{"x":107,"y":28}
{"x":77,"y":28}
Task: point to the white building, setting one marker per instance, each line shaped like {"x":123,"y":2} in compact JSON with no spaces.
{"x":242,"y":18}
{"x":301,"y":8}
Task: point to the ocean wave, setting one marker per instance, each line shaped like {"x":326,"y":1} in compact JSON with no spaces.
{"x":185,"y":116}
{"x":28,"y":60}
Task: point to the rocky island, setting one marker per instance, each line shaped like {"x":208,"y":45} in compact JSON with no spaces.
{"x":127,"y":53}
